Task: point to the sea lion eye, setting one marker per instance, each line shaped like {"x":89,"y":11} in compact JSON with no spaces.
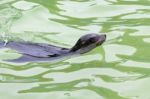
{"x":92,"y":40}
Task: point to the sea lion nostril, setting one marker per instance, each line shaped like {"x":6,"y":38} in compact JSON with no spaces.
{"x":104,"y":36}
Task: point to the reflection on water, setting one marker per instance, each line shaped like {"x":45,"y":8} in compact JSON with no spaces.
{"x":117,"y":70}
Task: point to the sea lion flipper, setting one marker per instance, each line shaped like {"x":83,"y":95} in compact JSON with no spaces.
{"x":24,"y":58}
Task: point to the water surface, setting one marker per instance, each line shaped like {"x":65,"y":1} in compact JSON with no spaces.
{"x":120,"y":69}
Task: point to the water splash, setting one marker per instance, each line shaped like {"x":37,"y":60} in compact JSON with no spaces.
{"x":7,"y":15}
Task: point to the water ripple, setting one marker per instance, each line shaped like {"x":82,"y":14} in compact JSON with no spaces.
{"x":117,"y":70}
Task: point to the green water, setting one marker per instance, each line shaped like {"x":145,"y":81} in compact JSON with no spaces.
{"x":120,"y":69}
